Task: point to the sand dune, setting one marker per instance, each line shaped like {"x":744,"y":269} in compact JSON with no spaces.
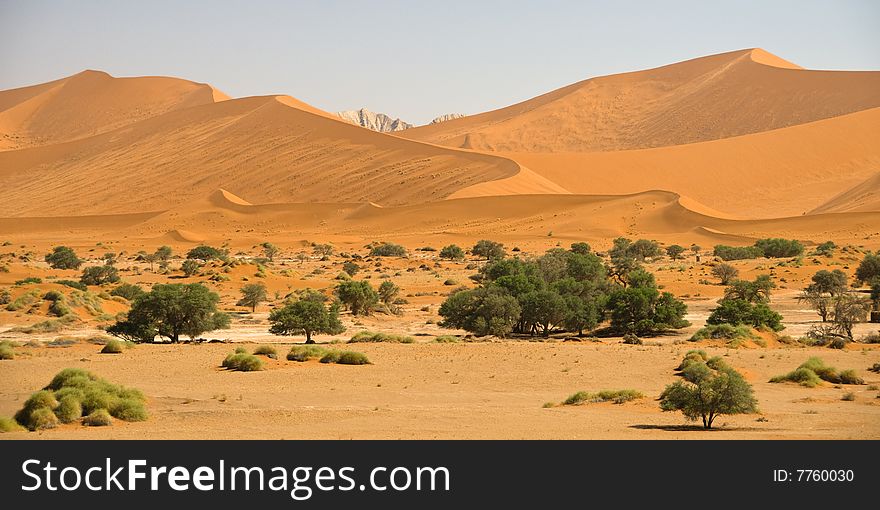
{"x":707,"y":98}
{"x":263,"y":149}
{"x":863,"y":197}
{"x":785,"y":172}
{"x":90,"y":103}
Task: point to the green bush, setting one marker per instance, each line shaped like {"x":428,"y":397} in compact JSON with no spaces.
{"x":737,"y":252}
{"x":694,"y":356}
{"x":266,"y":350}
{"x":113,"y":346}
{"x":779,"y":248}
{"x":128,"y":291}
{"x":9,"y":425}
{"x":69,"y":409}
{"x":305,"y":352}
{"x":6,"y":350}
{"x":616,"y":396}
{"x":243,"y":362}
{"x":734,"y":335}
{"x":41,"y":419}
{"x":352,"y":358}
{"x":207,"y":253}
{"x":345,"y":358}
{"x":814,"y":370}
{"x":63,"y":257}
{"x":452,"y":252}
{"x":99,"y":275}
{"x":722,"y":392}
{"x":374,"y":337}
{"x":98,"y":418}
{"x":73,"y":284}
{"x":388,"y":250}
{"x":447,"y":339}
{"x":631,"y":339}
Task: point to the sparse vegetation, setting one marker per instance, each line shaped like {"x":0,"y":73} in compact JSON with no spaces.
{"x":266,"y":350}
{"x":99,"y":275}
{"x":207,"y":253}
{"x":63,"y":257}
{"x":616,"y":396}
{"x":73,"y":393}
{"x":452,"y":252}
{"x":308,"y":316}
{"x":252,"y":294}
{"x":242,"y":362}
{"x":305,"y":352}
{"x":813,"y":371}
{"x":345,"y":358}
{"x":374,"y":337}
{"x":113,"y":346}
{"x":388,"y":250}
{"x":725,"y":272}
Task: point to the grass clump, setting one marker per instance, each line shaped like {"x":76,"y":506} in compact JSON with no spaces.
{"x":373,"y":337}
{"x":7,"y":351}
{"x":305,"y":352}
{"x":345,"y":358}
{"x":814,"y":371}
{"x":98,"y":418}
{"x":734,"y":335}
{"x":448,"y":339}
{"x":616,"y":396}
{"x":266,"y":350}
{"x":73,"y":393}
{"x":113,"y":346}
{"x":9,"y":425}
{"x":694,"y":356}
{"x":242,"y":362}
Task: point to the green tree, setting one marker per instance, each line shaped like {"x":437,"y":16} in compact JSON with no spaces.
{"x":451,"y":252}
{"x":358,"y":296}
{"x":725,"y":272}
{"x":306,"y":316}
{"x":869,"y":268}
{"x":388,"y":292}
{"x":829,"y":282}
{"x":163,"y":253}
{"x":757,"y":291}
{"x":581,"y":248}
{"x":482,"y":311}
{"x":742,"y":312}
{"x":388,"y":250}
{"x":63,"y":257}
{"x":172,"y":311}
{"x":322,"y":250}
{"x":270,"y":250}
{"x":645,"y":311}
{"x":713,"y":393}
{"x":849,"y":309}
{"x":190,"y":267}
{"x":778,"y":248}
{"x":827,"y":249}
{"x":128,"y":291}
{"x":99,"y":275}
{"x":252,"y":295}
{"x":207,"y":253}
{"x":675,"y":251}
{"x":489,"y":249}
{"x":542,"y":310}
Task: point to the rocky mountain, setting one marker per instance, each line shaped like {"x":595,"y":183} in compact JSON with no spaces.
{"x":448,"y":116}
{"x":372,"y":120}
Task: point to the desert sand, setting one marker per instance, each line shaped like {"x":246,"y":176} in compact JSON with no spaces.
{"x":726,"y":149}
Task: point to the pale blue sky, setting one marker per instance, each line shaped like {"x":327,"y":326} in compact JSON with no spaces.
{"x":416,"y":59}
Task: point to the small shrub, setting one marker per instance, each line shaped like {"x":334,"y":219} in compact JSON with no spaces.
{"x":616,"y":396}
{"x":6,"y":350}
{"x":850,"y":377}
{"x":352,"y":358}
{"x":848,"y":396}
{"x":814,"y":370}
{"x":447,"y":339}
{"x":113,"y":346}
{"x":631,"y":339}
{"x":374,"y":337}
{"x":69,"y":409}
{"x":694,"y":356}
{"x":98,"y":418}
{"x":243,"y":362}
{"x":266,"y":350}
{"x":73,"y":284}
{"x":330,"y":357}
{"x":305,"y":352}
{"x":388,"y":250}
{"x":9,"y":425}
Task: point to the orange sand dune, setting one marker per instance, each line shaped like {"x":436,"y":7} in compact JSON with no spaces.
{"x":264,"y":149}
{"x":785,"y":172}
{"x":865,"y":196}
{"x":707,"y":98}
{"x":90,"y":103}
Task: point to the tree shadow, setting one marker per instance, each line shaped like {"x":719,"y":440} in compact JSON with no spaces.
{"x":696,"y":428}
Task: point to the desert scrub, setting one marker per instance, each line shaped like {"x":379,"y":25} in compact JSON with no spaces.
{"x":98,"y":418}
{"x":74,"y":392}
{"x":345,"y":358}
{"x":734,"y":335}
{"x":305,"y":352}
{"x":448,"y":339}
{"x":242,"y":362}
{"x":631,"y":339}
{"x":616,"y":396}
{"x":266,"y":350}
{"x":26,"y":299}
{"x":113,"y":346}
{"x":48,"y":326}
{"x":9,"y":425}
{"x":372,"y":337}
{"x":7,"y":350}
{"x":814,"y":370}
{"x":695,"y":356}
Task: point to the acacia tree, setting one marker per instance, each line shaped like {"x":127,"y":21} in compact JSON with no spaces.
{"x":252,"y":295}
{"x":725,"y":273}
{"x":849,"y":309}
{"x":710,"y":394}
{"x":675,"y":251}
{"x":308,"y":316}
{"x":170,"y":311}
{"x":358,"y":296}
{"x":270,"y":250}
{"x":451,"y":252}
{"x":489,"y":249}
{"x":63,"y":257}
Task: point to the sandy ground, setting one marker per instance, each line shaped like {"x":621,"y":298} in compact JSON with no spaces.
{"x":433,"y":391}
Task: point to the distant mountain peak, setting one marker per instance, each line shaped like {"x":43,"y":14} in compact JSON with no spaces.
{"x":372,"y":120}
{"x":448,"y":116}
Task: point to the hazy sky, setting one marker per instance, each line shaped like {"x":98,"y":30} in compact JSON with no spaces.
{"x":416,"y":59}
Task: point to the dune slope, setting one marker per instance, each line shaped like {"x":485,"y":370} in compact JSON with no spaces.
{"x":703,"y":99}
{"x":89,"y":103}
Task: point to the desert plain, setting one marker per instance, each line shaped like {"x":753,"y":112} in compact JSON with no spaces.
{"x":719,"y":150}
